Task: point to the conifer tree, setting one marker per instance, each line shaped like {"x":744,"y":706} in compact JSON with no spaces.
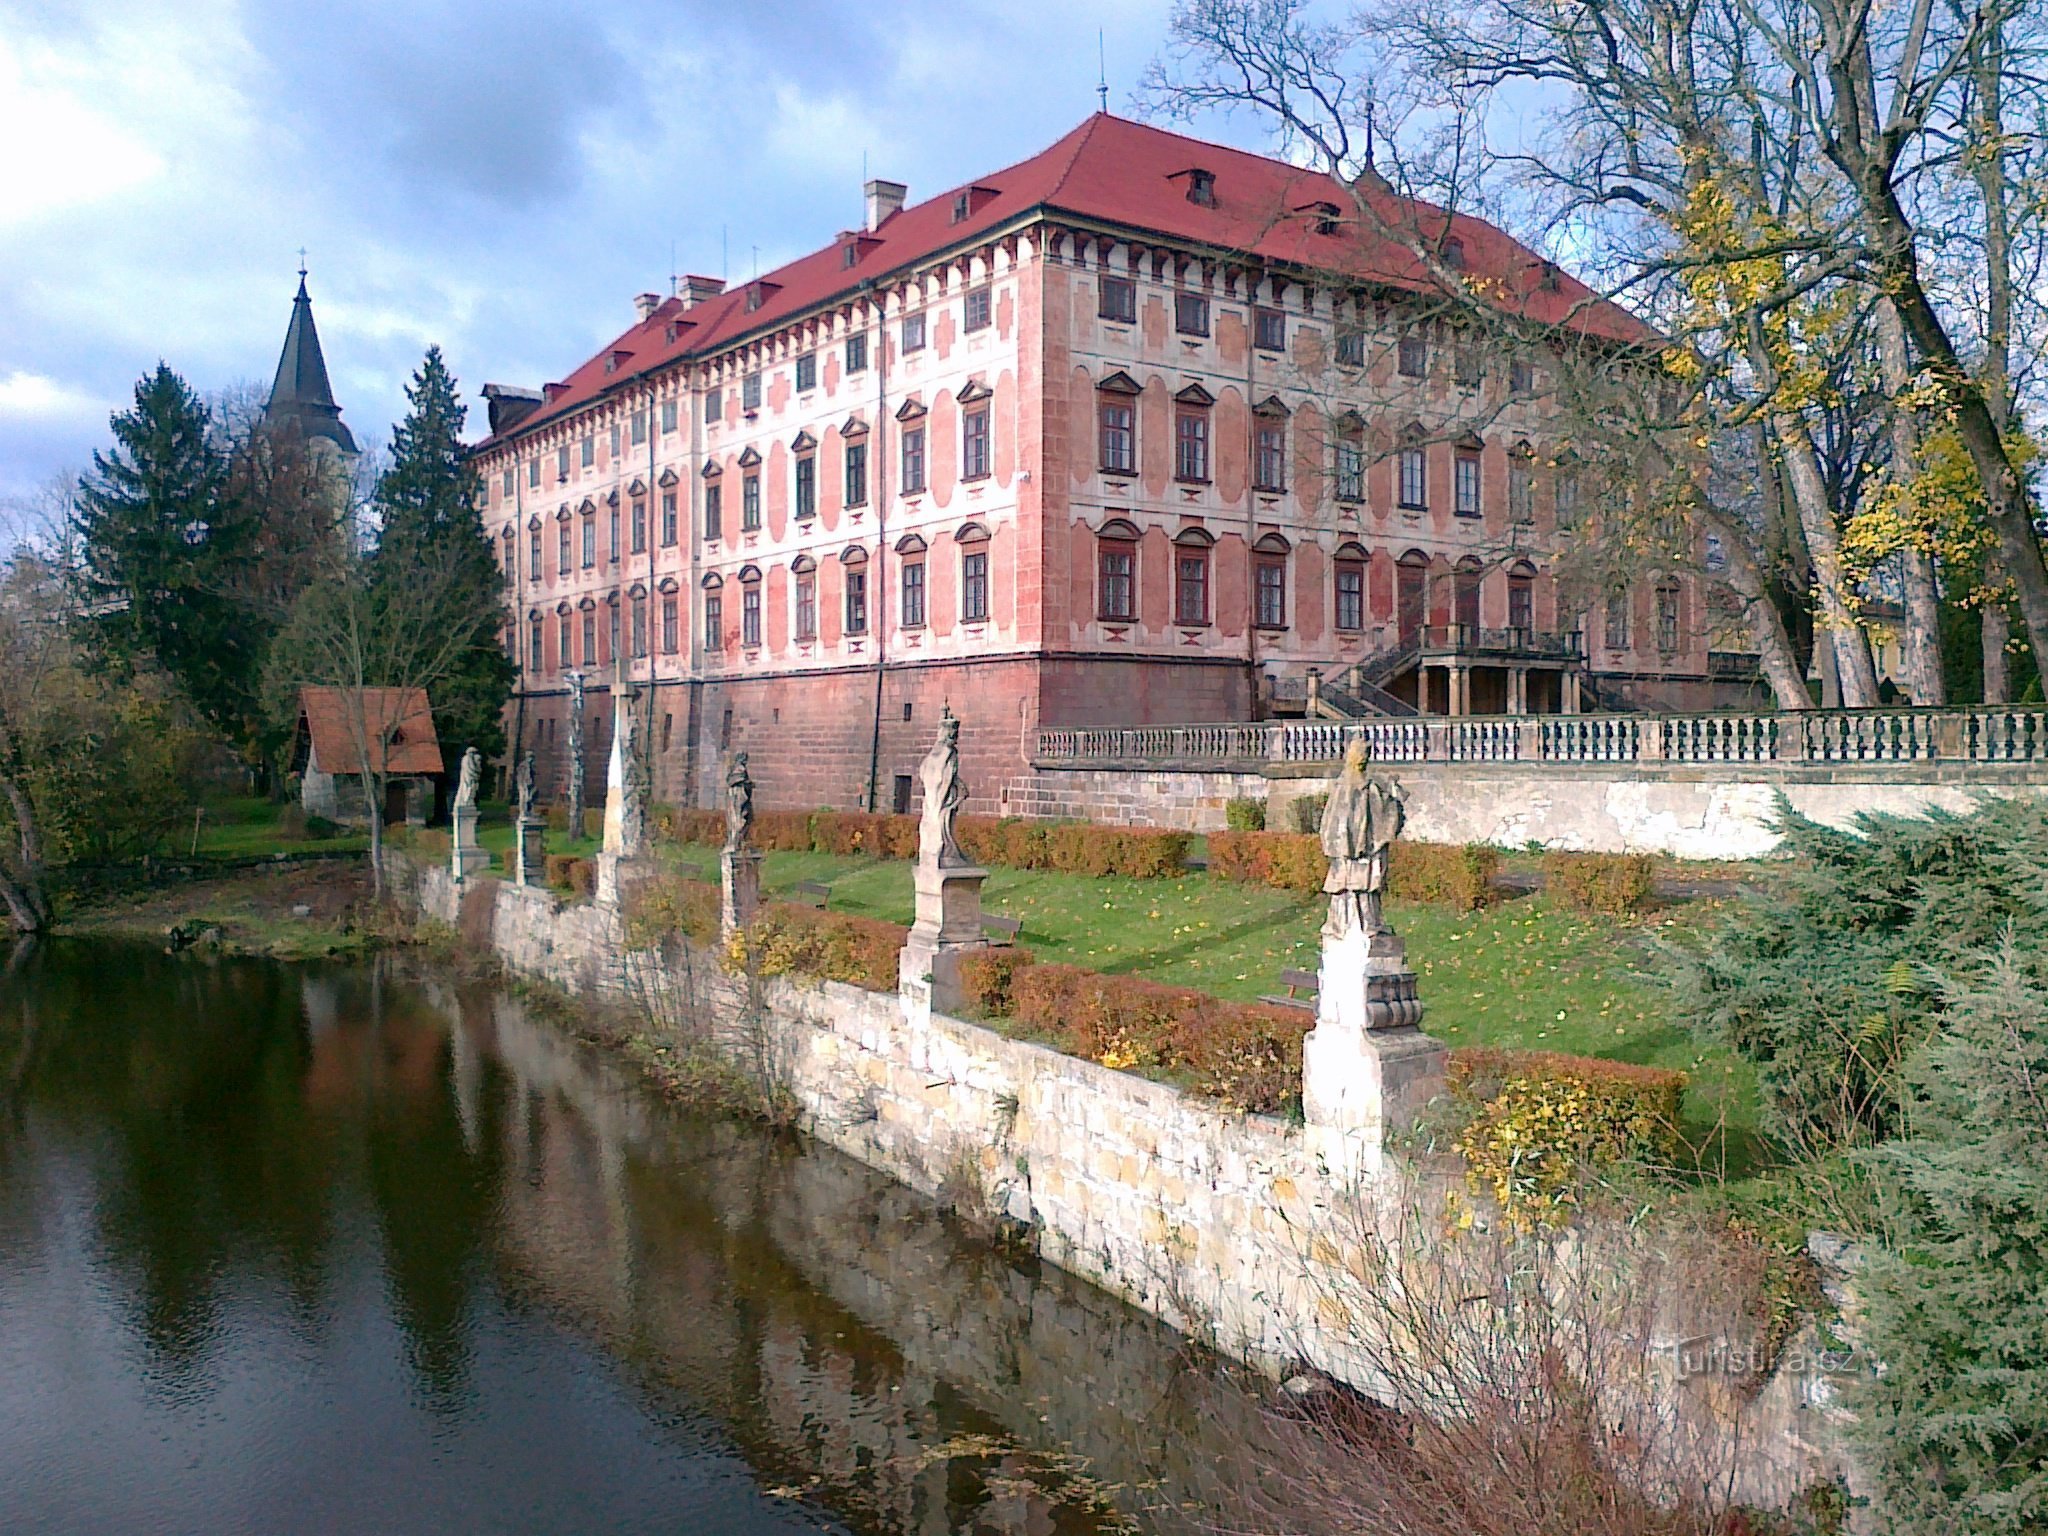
{"x":1954,"y":1426}
{"x":159,"y":548}
{"x":426,"y":503}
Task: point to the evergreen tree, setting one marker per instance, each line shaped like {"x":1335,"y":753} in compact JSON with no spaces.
{"x":426,"y":503}
{"x":1954,"y":1428}
{"x":160,"y":548}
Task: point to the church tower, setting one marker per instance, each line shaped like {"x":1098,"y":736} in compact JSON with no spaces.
{"x":300,"y":396}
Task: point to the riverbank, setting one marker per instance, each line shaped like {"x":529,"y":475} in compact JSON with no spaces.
{"x":317,"y":909}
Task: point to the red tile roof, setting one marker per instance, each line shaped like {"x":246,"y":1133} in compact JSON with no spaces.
{"x":325,"y":715}
{"x":1130,"y":175}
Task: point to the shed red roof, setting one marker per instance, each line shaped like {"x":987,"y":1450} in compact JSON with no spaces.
{"x":326,"y":716}
{"x":1132,"y":176}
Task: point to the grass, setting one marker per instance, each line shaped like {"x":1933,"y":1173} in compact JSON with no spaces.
{"x":1523,"y":973}
{"x":249,"y":826}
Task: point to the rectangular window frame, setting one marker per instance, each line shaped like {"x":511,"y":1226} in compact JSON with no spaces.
{"x":714,"y":509}
{"x":974,"y":587}
{"x":1412,"y":471}
{"x":1468,"y":484}
{"x":750,"y":615}
{"x":1349,"y":611}
{"x":977,"y":309}
{"x":856,"y":600}
{"x":912,"y":585}
{"x":1269,"y":330}
{"x":714,"y":406}
{"x":714,"y":621}
{"x":1191,"y":445}
{"x":750,"y":392}
{"x":913,"y":460}
{"x":1116,"y":299}
{"x":1116,"y":433}
{"x":1411,"y":357}
{"x":750,"y":502}
{"x":1191,"y":586}
{"x":1269,"y":456}
{"x":671,"y":519}
{"x":806,"y":372}
{"x":806,"y":602}
{"x":910,"y":333}
{"x":1190,"y":313}
{"x":806,"y":486}
{"x":1116,"y":581}
{"x":857,"y":473}
{"x":857,"y":352}
{"x":977,"y":443}
{"x":1269,"y":592}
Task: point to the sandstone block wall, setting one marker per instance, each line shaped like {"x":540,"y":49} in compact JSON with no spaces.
{"x":1690,"y":813}
{"x":1228,"y":1225}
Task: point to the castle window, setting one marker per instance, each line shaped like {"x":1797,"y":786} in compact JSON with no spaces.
{"x":974,"y":442}
{"x":1116,"y":298}
{"x":857,"y":352}
{"x":807,"y":372}
{"x":977,"y":309}
{"x":1191,"y":314}
{"x":913,"y":332}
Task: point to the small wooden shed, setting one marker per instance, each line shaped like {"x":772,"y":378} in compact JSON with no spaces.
{"x":329,"y":759}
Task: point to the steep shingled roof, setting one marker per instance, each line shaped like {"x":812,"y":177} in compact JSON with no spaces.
{"x":1128,"y":175}
{"x":326,"y":723}
{"x":300,"y":393}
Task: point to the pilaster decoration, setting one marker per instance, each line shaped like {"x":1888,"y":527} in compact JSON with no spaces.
{"x":948,"y":883}
{"x":467,"y":856}
{"x":739,"y":866}
{"x":1367,"y":1067}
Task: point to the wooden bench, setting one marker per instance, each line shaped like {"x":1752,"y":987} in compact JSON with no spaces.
{"x":1001,"y":930}
{"x":1296,"y":982}
{"x":811,"y":893}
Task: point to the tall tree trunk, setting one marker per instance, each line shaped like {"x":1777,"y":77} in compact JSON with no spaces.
{"x":1920,"y":639}
{"x":28,"y":905}
{"x":1997,"y":654}
{"x":1843,"y":632}
{"x":1775,"y":653}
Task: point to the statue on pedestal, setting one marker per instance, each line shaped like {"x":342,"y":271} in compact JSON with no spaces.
{"x":522,"y":780}
{"x":1360,"y":823}
{"x":739,"y":803}
{"x":466,"y":784}
{"x":944,"y":793}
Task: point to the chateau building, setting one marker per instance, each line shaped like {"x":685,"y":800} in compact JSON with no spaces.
{"x":1140,"y":430}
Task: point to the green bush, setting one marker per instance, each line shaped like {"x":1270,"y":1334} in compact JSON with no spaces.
{"x":1536,"y":1122}
{"x":1306,"y":813}
{"x":593,"y":822}
{"x":558,"y":818}
{"x":829,"y":946}
{"x":860,"y":832}
{"x":1245,"y":814}
{"x":1826,"y":981}
{"x":1954,"y":1292}
{"x":1620,"y":884}
{"x":1458,"y":876}
{"x":1010,"y":843}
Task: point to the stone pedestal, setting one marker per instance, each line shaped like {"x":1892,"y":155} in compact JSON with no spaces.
{"x":1367,"y":1067}
{"x":530,"y":867}
{"x":739,"y":878}
{"x":948,"y":926}
{"x":467,"y":858}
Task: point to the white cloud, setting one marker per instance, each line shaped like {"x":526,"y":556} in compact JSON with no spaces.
{"x":26,"y":396}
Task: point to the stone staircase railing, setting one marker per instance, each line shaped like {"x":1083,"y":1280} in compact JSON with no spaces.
{"x":1991,"y":735}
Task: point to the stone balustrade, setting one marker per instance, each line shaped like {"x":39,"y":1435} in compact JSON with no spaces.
{"x":2004,"y":736}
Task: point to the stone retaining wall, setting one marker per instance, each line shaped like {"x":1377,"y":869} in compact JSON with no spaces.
{"x":1233,"y":1226}
{"x":1691,"y":813}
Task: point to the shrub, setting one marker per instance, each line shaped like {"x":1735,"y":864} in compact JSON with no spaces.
{"x":593,"y":822}
{"x":508,"y":861}
{"x":667,"y":904}
{"x":432,"y":843}
{"x":861,"y":832}
{"x":1825,"y":981}
{"x":1539,"y":1121}
{"x":673,"y":825}
{"x":833,"y":946}
{"x":1287,"y":861}
{"x":1009,"y":843}
{"x":783,"y":831}
{"x":1306,"y":814}
{"x":1458,"y":876}
{"x":569,"y":873}
{"x":1245,"y":814}
{"x":1139,"y":853}
{"x":988,"y":977}
{"x":1246,"y":1056}
{"x":1617,"y":883}
{"x":558,"y":818}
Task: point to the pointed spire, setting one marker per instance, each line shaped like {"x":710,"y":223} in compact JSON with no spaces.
{"x":301,"y":394}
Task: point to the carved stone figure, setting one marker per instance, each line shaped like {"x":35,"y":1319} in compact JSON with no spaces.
{"x":576,"y":786}
{"x":944,"y":793}
{"x":739,"y":803}
{"x":1360,"y":824}
{"x":472,"y":771}
{"x":522,"y":779}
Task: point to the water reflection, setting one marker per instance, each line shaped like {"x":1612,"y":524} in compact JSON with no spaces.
{"x":330,"y":1249}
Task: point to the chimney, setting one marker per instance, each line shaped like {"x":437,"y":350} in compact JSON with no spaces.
{"x":884,"y":198}
{"x":645,"y":304}
{"x":697,"y":289}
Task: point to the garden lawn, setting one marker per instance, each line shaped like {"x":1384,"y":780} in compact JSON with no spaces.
{"x":250,"y":826}
{"x":1523,"y":973}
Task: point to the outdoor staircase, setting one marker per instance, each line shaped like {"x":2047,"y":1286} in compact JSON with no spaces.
{"x":1359,"y":692}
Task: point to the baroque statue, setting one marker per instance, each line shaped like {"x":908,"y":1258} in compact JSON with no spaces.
{"x":522,"y":780}
{"x":944,"y":793}
{"x":739,"y":803}
{"x":1360,"y":823}
{"x":466,"y":785}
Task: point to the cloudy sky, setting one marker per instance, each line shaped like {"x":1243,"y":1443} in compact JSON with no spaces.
{"x":497,"y":177}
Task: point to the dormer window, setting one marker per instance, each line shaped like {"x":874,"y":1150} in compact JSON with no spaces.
{"x":962,"y":206}
{"x":1325,"y":216}
{"x":1454,"y":254}
{"x":753,"y":297}
{"x":849,"y":254}
{"x":1201,"y":187}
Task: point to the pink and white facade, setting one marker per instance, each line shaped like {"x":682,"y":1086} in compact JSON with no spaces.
{"x":1094,"y":441}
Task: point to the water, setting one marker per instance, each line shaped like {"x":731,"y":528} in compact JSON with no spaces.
{"x":305,"y":1250}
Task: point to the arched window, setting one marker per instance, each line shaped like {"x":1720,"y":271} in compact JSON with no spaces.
{"x":1191,"y":572}
{"x":1116,"y":572}
{"x":750,"y":605}
{"x":1522,"y":597}
{"x":714,"y":612}
{"x":853,"y":561}
{"x":804,"y":571}
{"x":1411,"y":592}
{"x":1116,"y":416}
{"x":1269,"y":582}
{"x":1349,"y":564}
{"x":1465,"y":580}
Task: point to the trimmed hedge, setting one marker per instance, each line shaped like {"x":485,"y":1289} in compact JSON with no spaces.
{"x":1438,"y":874}
{"x":1244,"y":814}
{"x":1245,"y":1055}
{"x":832,"y":946}
{"x":568,"y":872}
{"x":432,"y":842}
{"x":1619,"y":883}
{"x":857,"y":832}
{"x":667,"y":904}
{"x":1539,"y":1121}
{"x":989,"y":978}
